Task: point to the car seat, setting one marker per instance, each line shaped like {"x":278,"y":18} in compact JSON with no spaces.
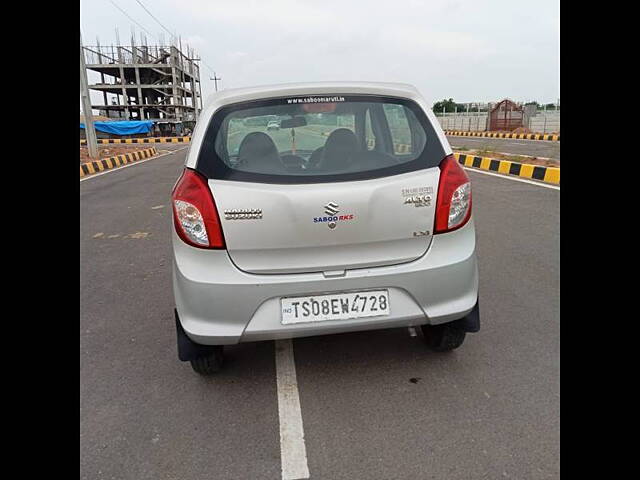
{"x":338,"y":149}
{"x":258,"y":153}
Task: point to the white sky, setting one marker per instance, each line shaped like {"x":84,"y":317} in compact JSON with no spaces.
{"x":461,"y":49}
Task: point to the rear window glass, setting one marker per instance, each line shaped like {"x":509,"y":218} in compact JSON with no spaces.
{"x":318,"y":139}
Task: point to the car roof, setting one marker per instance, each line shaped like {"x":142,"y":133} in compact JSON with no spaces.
{"x":234,"y":95}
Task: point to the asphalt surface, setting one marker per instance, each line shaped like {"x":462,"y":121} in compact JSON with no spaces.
{"x":374,"y":404}
{"x":533,"y":148}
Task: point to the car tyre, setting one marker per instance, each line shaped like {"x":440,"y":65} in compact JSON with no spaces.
{"x":209,"y":364}
{"x":443,"y":338}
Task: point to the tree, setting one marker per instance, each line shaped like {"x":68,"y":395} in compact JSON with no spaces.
{"x":449,"y":106}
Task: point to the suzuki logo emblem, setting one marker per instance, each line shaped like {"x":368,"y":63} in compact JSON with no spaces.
{"x":331,"y":208}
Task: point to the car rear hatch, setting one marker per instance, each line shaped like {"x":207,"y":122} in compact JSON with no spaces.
{"x":353,"y":187}
{"x":326,"y":227}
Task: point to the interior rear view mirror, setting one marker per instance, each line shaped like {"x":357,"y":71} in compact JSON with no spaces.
{"x":293,"y":122}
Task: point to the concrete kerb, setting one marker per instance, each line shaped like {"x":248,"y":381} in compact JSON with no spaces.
{"x":524,"y":170}
{"x":96,"y":166}
{"x":103,"y":141}
{"x":519,"y":136}
{"x":506,"y":167}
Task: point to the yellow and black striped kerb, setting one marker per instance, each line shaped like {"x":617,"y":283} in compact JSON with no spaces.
{"x":524,"y":170}
{"x":521,"y":136}
{"x":141,"y":140}
{"x":115,"y":162}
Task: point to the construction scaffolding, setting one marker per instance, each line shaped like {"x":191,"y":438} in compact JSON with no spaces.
{"x":144,"y":82}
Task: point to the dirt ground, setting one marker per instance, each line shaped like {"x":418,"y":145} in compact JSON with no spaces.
{"x":106,"y":151}
{"x":514,"y":158}
{"x":522,"y":130}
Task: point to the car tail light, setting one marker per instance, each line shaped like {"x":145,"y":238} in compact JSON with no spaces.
{"x":453,"y":205}
{"x":194,"y":212}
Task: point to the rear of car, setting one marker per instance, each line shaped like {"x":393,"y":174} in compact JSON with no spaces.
{"x":352,"y":215}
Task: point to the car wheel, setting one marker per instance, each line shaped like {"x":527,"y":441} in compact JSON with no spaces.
{"x":443,"y":338}
{"x":208,"y":364}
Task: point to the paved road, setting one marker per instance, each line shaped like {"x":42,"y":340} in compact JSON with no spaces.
{"x":537,"y":148}
{"x":488,"y":410}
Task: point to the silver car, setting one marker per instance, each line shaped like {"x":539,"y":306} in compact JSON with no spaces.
{"x":353,"y":216}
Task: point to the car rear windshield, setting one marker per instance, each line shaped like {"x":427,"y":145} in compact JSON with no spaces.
{"x":318,"y":139}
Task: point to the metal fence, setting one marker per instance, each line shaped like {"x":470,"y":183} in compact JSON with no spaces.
{"x":506,"y":116}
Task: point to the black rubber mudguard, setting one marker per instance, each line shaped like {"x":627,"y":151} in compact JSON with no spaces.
{"x":187,"y":348}
{"x":470,"y":323}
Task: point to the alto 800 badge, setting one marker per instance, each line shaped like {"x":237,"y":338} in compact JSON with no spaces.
{"x":417,"y":196}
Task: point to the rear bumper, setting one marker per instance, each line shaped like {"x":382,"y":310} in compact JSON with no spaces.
{"x":219,"y":304}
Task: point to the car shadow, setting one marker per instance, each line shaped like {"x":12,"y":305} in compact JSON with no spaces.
{"x":370,"y":353}
{"x":339,"y":355}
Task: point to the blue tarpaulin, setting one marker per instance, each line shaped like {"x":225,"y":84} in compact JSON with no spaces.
{"x":123,"y":128}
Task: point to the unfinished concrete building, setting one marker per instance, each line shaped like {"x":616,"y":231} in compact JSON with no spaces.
{"x":158,"y":83}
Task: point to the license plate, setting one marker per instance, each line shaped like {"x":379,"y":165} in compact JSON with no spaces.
{"x":335,"y":306}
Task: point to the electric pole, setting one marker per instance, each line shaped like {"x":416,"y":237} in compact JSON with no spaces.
{"x":215,"y":80}
{"x":92,"y":141}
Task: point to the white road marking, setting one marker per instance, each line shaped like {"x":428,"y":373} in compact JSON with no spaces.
{"x":131,"y":164}
{"x":515,"y":179}
{"x":293,"y":452}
